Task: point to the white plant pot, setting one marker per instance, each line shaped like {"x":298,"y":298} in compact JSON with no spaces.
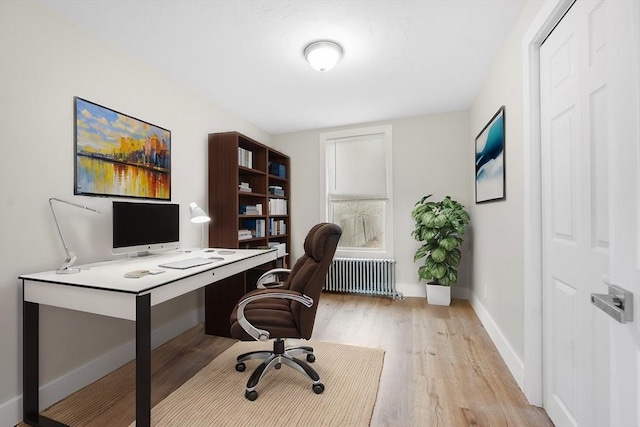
{"x":438,"y":295}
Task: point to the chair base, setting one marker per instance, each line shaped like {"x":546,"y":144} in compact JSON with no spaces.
{"x":274,"y":359}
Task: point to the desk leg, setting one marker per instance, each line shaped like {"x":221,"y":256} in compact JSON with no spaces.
{"x":143,"y":361}
{"x":31,"y":368}
{"x":30,"y":362}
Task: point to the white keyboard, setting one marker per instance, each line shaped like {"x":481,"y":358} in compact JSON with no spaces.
{"x":187,"y":263}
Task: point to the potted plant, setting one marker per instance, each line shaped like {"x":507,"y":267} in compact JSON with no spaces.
{"x":438,"y":227}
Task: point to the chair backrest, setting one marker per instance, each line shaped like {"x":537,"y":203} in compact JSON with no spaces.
{"x":309,"y":272}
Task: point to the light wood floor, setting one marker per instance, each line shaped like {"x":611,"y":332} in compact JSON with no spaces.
{"x":440,"y":369}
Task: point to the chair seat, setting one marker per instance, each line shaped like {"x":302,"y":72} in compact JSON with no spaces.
{"x":275,"y":317}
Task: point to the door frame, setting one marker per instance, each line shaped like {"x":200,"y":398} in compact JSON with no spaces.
{"x":548,"y":17}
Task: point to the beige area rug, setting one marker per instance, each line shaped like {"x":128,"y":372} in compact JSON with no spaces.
{"x":215,"y":395}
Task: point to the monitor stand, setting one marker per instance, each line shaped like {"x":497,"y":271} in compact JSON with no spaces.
{"x":138,"y":254}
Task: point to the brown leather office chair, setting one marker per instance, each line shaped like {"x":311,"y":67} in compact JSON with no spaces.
{"x":287,"y":311}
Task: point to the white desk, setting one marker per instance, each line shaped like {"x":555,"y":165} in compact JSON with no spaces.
{"x":101,"y":288}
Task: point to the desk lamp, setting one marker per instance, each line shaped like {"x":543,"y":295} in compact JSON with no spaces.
{"x":71,"y":257}
{"x":198,"y":216}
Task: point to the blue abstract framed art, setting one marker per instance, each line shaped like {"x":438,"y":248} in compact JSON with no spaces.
{"x":490,"y":162}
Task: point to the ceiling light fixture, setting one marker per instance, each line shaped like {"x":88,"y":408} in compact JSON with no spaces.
{"x":323,"y":54}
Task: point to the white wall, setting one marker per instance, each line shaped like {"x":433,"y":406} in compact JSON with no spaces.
{"x":430,"y":156}
{"x":497,"y":282}
{"x":44,"y":63}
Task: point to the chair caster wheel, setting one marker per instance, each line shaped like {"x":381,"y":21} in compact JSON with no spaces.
{"x":240,"y":367}
{"x":278,"y":365}
{"x":251,"y":395}
{"x":318,"y":388}
{"x":311,"y":358}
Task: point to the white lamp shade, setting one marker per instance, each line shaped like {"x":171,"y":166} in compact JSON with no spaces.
{"x":198,"y":216}
{"x":323,"y":55}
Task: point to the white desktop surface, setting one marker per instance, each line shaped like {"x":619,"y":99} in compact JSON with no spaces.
{"x":101,"y":288}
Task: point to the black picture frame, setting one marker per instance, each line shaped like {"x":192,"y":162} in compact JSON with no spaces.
{"x":119,"y":155}
{"x":490,"y":177}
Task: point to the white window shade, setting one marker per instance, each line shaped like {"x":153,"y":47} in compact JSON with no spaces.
{"x":356,"y":167}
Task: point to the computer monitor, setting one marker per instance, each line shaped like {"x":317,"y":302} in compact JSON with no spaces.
{"x":139,"y":228}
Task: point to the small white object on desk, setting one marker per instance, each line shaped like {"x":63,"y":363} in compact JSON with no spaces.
{"x":136,"y":274}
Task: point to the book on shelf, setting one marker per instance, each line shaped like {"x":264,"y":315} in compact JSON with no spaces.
{"x":277,"y":207}
{"x":277,"y":227}
{"x":277,"y":169}
{"x":244,"y":234}
{"x":276,"y":190}
{"x":250,"y":209}
{"x":256,"y":227}
{"x":245,"y":158}
{"x":244,"y":186}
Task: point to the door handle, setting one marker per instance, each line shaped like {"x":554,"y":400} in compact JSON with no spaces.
{"x":618,"y":303}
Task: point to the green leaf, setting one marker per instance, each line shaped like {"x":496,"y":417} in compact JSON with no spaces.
{"x":439,"y":271}
{"x":431,"y":245}
{"x":420,"y":253}
{"x":417,"y":212}
{"x":428,"y":234}
{"x":428,"y":219}
{"x":430,"y":263}
{"x":441,"y":220}
{"x":424,"y":198}
{"x":424,"y":273}
{"x":448,"y":243}
{"x":439,"y":254}
{"x":452,"y":275}
{"x":453,"y":257}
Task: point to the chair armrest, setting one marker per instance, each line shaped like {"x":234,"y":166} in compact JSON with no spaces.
{"x":261,"y":334}
{"x":260,"y":283}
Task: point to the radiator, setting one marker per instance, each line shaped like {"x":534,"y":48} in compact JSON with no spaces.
{"x":363,"y":276}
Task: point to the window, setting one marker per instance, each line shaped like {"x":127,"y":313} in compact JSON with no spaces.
{"x":357,"y":189}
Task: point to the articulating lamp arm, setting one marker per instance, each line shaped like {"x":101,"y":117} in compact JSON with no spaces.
{"x":71,"y":258}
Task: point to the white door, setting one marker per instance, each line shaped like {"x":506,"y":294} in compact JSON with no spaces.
{"x":581,"y":210}
{"x":575,"y":213}
{"x":623,"y":75}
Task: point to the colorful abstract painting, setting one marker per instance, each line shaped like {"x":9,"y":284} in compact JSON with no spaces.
{"x":490,"y":166}
{"x":118,"y":155}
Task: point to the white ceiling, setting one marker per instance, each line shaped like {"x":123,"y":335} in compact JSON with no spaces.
{"x":402,"y":58}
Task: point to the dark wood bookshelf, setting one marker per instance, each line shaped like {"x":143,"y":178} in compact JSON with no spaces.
{"x":226,"y":173}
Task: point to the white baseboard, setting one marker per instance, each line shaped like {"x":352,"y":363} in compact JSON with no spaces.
{"x":52,"y":392}
{"x":11,"y":412}
{"x":514,"y":363}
